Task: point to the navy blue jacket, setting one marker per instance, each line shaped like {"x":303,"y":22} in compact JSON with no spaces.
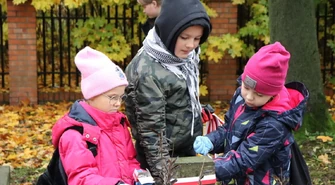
{"x":256,"y":141}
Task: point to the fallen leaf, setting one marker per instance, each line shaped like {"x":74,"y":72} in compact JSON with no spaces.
{"x":325,"y":138}
{"x":324,"y":159}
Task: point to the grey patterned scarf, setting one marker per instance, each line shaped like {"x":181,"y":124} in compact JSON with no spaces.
{"x":183,"y":68}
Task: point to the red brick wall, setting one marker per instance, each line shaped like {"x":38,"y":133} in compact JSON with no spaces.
{"x":44,"y":97}
{"x":21,"y":21}
{"x":221,"y":81}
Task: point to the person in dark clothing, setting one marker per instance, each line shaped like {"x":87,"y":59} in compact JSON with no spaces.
{"x":152,"y":9}
{"x":256,"y":137}
{"x":162,"y":101}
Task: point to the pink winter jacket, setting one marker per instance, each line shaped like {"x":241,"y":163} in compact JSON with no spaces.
{"x":116,"y":156}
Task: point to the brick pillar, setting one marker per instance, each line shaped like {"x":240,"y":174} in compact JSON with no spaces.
{"x":21,"y":21}
{"x":221,"y":81}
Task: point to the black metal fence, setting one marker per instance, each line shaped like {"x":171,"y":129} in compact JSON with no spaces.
{"x":325,"y":23}
{"x":244,"y":15}
{"x":56,"y":50}
{"x":3,"y":51}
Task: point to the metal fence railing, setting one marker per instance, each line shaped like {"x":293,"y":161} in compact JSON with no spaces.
{"x":55,"y":50}
{"x":55,"y":42}
{"x":325,"y":24}
{"x":3,"y":51}
{"x":244,"y":15}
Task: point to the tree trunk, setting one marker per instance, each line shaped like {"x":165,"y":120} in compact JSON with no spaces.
{"x":293,"y":24}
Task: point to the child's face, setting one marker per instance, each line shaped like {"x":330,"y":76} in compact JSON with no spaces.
{"x":188,"y":40}
{"x":253,"y":98}
{"x":109,"y":101}
{"x":150,"y":9}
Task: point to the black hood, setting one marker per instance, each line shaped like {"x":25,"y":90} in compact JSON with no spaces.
{"x":176,"y":16}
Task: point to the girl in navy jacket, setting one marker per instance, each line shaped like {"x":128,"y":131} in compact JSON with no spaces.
{"x":256,"y":136}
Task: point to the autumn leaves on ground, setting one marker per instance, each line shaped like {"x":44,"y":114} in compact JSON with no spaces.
{"x":25,"y":142}
{"x":25,"y":134}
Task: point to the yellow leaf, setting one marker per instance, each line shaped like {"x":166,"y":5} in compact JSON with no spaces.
{"x":214,"y":41}
{"x":236,"y":50}
{"x":266,"y":39}
{"x":325,"y":138}
{"x":211,"y":12}
{"x":236,"y":2}
{"x":12,"y":123}
{"x":74,"y":4}
{"x":11,"y":156}
{"x":42,"y":5}
{"x":16,"y":2}
{"x":214,"y":55}
{"x":47,"y":126}
{"x":324,"y":159}
{"x":218,"y":102}
{"x":203,"y":90}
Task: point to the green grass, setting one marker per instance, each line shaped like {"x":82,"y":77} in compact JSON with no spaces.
{"x":24,"y":176}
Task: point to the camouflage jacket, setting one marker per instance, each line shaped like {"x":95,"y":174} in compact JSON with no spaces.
{"x":158,"y":103}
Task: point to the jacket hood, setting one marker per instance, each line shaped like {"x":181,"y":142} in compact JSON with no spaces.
{"x":289,"y":105}
{"x":92,"y":120}
{"x":176,"y":16}
{"x":77,"y":116}
{"x":78,"y":113}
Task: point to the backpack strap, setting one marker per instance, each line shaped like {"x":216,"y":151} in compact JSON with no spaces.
{"x":92,"y":147}
{"x":299,"y":172}
{"x":55,"y":173}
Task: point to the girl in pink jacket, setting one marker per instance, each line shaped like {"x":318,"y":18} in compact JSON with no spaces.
{"x":102,"y":85}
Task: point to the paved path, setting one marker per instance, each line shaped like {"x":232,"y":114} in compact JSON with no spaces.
{"x":4,"y":175}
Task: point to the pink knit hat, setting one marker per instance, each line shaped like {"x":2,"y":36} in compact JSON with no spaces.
{"x":98,"y":73}
{"x":266,"y":70}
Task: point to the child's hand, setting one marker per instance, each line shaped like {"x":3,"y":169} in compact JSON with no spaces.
{"x":202,"y":145}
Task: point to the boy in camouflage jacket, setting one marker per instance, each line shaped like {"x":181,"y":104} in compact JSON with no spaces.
{"x":162,"y":101}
